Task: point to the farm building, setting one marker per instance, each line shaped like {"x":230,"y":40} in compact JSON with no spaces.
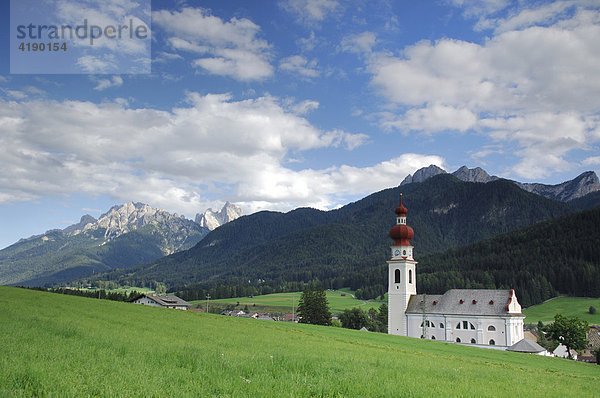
{"x":162,"y":300}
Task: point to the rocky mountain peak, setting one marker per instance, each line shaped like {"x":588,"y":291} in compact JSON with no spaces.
{"x":473,"y":175}
{"x":423,"y":174}
{"x":211,"y":219}
{"x":77,"y":228}
{"x":124,"y":218}
{"x":576,"y":188}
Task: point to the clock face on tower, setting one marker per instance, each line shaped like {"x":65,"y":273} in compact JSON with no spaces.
{"x":396,"y":252}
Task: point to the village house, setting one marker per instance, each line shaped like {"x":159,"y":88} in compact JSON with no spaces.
{"x":162,"y":300}
{"x":593,"y":338}
{"x":234,"y":313}
{"x":561,"y":352}
{"x":289,"y":318}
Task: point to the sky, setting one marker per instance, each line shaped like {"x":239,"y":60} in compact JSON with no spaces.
{"x":278,"y":104}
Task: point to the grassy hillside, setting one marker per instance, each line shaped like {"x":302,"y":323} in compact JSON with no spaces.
{"x":568,"y":306}
{"x":338,"y":300}
{"x":69,"y":346}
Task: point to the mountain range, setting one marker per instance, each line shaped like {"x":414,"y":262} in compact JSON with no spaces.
{"x":346,"y":247}
{"x":579,"y":187}
{"x":126,"y":235}
{"x":135,"y":244}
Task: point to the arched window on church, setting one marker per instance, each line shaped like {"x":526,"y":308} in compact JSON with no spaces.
{"x":432,"y":337}
{"x":458,"y":339}
{"x":410,"y":276}
{"x":472,"y":341}
{"x":441,"y":325}
{"x":397,"y":276}
{"x":491,"y":328}
{"x":492,"y":342}
{"x":471,"y":325}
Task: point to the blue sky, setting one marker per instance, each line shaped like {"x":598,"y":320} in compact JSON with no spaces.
{"x":280,"y":104}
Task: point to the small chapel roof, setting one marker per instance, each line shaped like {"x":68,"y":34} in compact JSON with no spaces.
{"x":475,"y":302}
{"x":526,"y":345}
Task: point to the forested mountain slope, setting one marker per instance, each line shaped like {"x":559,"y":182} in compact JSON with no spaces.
{"x":345,"y":247}
{"x":126,"y":235}
{"x":558,"y":256}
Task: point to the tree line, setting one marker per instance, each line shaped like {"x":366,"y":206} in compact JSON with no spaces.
{"x":98,"y":294}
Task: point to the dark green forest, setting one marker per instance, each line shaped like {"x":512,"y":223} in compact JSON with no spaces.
{"x":559,"y":256}
{"x":272,"y":252}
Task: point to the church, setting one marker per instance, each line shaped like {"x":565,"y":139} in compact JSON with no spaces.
{"x":470,"y":316}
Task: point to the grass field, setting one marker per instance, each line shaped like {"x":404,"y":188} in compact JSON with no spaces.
{"x":568,"y":306}
{"x":338,"y":300}
{"x":59,"y":345}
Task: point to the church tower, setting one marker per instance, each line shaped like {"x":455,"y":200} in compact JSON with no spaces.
{"x":402,"y":276}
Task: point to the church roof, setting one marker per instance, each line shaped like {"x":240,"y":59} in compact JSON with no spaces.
{"x":526,"y":345}
{"x":475,"y":302}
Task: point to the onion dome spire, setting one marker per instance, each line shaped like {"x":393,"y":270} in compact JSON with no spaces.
{"x":401,"y":233}
{"x":401,"y":210}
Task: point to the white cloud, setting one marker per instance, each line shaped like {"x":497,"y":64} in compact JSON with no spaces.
{"x":113,"y":48}
{"x":310,"y":12}
{"x":592,"y":161}
{"x":98,"y":64}
{"x":304,"y":107}
{"x":284,"y":189}
{"x":16,"y":94}
{"x":433,"y":118}
{"x":164,"y":56}
{"x":480,"y":8}
{"x":309,"y":43}
{"x":230,"y":48}
{"x":360,"y":43}
{"x":300,"y":65}
{"x":533,"y":88}
{"x":24,"y":93}
{"x":177,"y":159}
{"x":103,"y":84}
{"x":543,"y":140}
{"x":557,"y":12}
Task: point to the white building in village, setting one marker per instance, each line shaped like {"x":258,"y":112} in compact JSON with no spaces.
{"x":469,"y":316}
{"x":162,"y":300}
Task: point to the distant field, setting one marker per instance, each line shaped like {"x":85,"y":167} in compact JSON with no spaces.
{"x":568,"y":306}
{"x":339,"y":300}
{"x":58,"y":345}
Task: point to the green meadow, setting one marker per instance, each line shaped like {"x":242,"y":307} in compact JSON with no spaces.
{"x":59,"y":345}
{"x":568,"y":306}
{"x":338,"y":300}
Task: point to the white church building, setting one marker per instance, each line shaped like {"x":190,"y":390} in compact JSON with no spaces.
{"x":470,"y":316}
